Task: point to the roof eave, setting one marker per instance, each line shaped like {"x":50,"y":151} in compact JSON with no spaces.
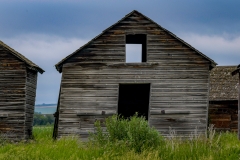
{"x":59,"y":67}
{"x":212,"y":65}
{"x":37,"y":69}
{"x":40,"y":70}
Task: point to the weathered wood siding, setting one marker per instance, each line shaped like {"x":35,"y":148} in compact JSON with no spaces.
{"x":179,"y":79}
{"x":18,"y":79}
{"x":224,"y":115}
{"x":181,"y":91}
{"x":12,"y":96}
{"x":31,"y":83}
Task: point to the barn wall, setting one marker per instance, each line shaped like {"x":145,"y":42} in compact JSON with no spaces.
{"x":12,"y":96}
{"x":178,"y":76}
{"x":181,"y":92}
{"x":224,"y":115}
{"x":31,"y":83}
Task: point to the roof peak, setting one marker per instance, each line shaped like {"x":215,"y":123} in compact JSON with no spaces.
{"x":59,"y":64}
{"x":31,"y":65}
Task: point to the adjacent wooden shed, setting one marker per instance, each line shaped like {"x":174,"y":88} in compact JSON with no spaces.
{"x":223,"y":98}
{"x":169,"y":84}
{"x":18,"y":81}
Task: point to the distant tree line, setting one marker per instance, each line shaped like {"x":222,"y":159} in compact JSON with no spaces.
{"x":42,"y":119}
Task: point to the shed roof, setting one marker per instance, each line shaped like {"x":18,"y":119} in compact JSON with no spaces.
{"x":29,"y":63}
{"x":223,"y":86}
{"x":59,"y":64}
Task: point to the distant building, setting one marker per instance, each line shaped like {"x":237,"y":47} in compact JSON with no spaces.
{"x":168,"y":85}
{"x":223,"y":98}
{"x":18,"y":81}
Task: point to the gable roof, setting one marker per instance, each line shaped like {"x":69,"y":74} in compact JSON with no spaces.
{"x":59,"y":64}
{"x":29,"y":63}
{"x":223,"y":86}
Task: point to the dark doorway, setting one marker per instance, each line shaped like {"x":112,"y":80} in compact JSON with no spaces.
{"x":133,"y":98}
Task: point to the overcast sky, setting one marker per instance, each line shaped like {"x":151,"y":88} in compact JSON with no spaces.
{"x":46,"y":31}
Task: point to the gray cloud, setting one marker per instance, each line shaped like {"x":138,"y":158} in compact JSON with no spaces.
{"x":222,"y":49}
{"x":47,"y":31}
{"x":88,"y":18}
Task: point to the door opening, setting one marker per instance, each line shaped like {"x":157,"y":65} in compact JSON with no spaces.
{"x":133,"y":98}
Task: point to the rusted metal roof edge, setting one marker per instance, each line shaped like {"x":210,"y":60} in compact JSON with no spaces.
{"x":59,"y":64}
{"x":30,"y":64}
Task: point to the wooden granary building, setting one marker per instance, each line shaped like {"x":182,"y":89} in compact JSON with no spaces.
{"x":223,"y":98}
{"x":18,"y":81}
{"x":168,"y":84}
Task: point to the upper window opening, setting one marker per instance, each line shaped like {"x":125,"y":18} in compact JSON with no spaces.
{"x":136,"y":48}
{"x":133,"y":53}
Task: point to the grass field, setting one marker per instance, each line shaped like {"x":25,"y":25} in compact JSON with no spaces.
{"x":217,"y":147}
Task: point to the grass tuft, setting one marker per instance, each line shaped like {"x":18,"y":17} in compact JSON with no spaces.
{"x":134,"y":133}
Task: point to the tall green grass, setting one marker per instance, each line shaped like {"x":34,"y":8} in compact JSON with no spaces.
{"x":123,"y":141}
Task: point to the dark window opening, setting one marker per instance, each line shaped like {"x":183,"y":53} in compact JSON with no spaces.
{"x":136,"y":50}
{"x":133,"y":98}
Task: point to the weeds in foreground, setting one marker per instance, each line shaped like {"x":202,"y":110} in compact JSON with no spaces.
{"x":135,"y":133}
{"x":219,"y":147}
